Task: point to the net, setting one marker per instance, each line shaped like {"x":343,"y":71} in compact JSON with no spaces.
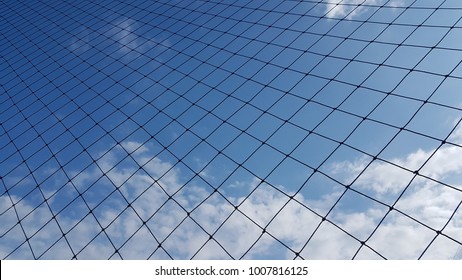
{"x":230,"y":129}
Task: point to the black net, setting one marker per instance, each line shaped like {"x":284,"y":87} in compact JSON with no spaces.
{"x":230,"y":129}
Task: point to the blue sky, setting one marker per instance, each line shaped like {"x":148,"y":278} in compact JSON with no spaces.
{"x":138,"y":130}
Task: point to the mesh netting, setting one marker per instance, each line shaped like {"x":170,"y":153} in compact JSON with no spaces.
{"x":231,"y":129}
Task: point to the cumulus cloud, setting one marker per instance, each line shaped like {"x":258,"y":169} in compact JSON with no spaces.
{"x":288,"y":223}
{"x":430,"y":198}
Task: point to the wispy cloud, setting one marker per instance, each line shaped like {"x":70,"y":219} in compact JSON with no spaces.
{"x":123,"y":32}
{"x":81,"y":41}
{"x":353,"y":8}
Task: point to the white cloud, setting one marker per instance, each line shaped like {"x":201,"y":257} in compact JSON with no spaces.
{"x":129,"y":42}
{"x":134,"y":147}
{"x":397,"y":237}
{"x":426,"y":201}
{"x":384,"y":178}
{"x":353,"y":8}
{"x":347,"y":8}
{"x":124,"y":33}
{"x":133,"y":45}
{"x":446,"y":161}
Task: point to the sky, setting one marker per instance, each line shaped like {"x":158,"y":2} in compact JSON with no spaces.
{"x":231,"y":129}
